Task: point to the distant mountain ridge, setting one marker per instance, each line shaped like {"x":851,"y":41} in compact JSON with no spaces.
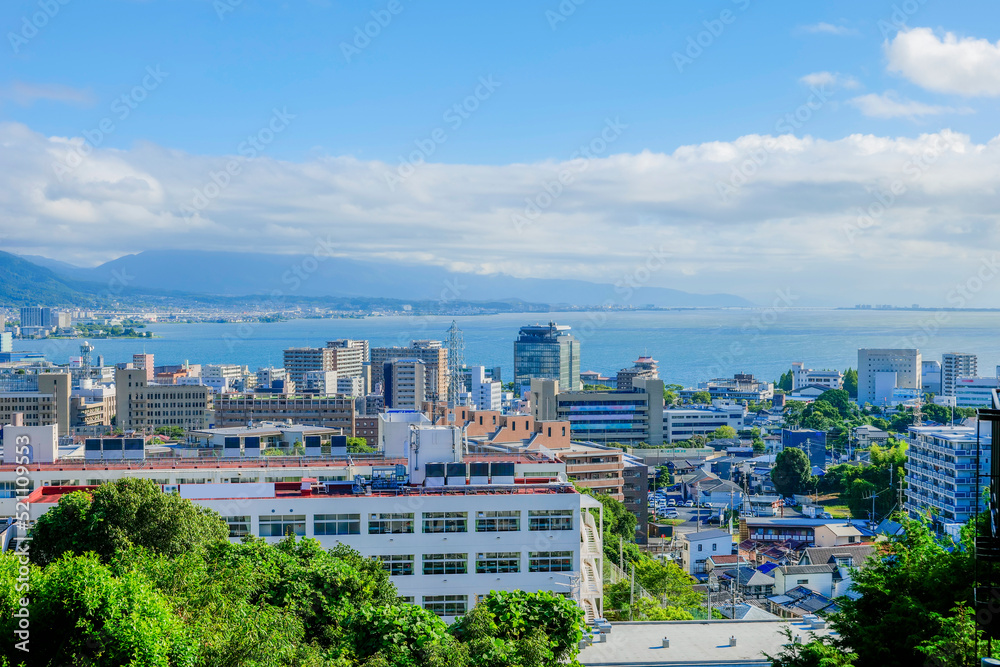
{"x":242,"y":274}
{"x":23,"y":283}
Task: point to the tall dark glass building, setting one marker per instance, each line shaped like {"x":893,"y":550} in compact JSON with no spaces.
{"x":547,"y":351}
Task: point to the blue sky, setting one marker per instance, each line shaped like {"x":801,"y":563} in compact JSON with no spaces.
{"x":556,"y":78}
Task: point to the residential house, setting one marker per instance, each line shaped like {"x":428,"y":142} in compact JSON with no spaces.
{"x":836,"y":534}
{"x":697,"y":547}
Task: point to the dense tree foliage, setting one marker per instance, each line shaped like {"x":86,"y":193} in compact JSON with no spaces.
{"x":791,"y":473}
{"x":118,"y":516}
{"x":722,"y":433}
{"x":701,"y":397}
{"x":851,"y":382}
{"x":359,"y":446}
{"x":856,"y":483}
{"x":126,"y":593}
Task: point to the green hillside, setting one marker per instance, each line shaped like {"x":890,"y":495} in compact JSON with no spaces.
{"x":25,"y":284}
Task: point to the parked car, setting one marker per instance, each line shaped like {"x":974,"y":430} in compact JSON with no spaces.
{"x":706,"y":504}
{"x":689,"y":503}
{"x":672,"y":502}
{"x":671,"y":514}
{"x":825,"y":515}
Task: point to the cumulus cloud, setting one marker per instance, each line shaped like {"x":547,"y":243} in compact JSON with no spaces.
{"x":798,"y":211}
{"x":964,"y":66}
{"x":828,"y":28}
{"x":891,"y":105}
{"x":830,"y":79}
{"x":26,"y":94}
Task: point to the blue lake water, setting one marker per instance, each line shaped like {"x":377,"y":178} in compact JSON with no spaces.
{"x":691,"y":345}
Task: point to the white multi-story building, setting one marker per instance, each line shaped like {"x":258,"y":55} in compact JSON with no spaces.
{"x":741,"y":387}
{"x":322,"y":383}
{"x":697,"y":547}
{"x":881,"y":371}
{"x":941,"y":471}
{"x":448,"y":528}
{"x":351,"y":386}
{"x":683,"y":423}
{"x":956,"y":365}
{"x":267,"y":376}
{"x":974,"y":392}
{"x":804,"y":377}
{"x":485,"y":394}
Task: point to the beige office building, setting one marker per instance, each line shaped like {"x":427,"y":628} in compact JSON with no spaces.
{"x":142,"y":405}
{"x":430,"y":352}
{"x":44,"y":405}
{"x":328,"y":411}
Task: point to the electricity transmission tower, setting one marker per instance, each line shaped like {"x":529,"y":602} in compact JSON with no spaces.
{"x":456,"y":363}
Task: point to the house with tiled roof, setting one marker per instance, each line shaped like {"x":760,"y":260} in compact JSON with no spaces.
{"x":818,"y":578}
{"x":800,"y":601}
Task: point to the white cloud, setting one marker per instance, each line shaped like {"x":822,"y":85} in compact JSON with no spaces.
{"x":966,"y":66}
{"x":891,"y":105}
{"x":794,"y":221}
{"x":820,"y":79}
{"x":26,"y":94}
{"x":828,"y":28}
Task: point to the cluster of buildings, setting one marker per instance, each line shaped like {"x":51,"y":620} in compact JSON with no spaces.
{"x":458,"y":455}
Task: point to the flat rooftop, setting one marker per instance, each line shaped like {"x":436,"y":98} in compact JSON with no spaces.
{"x":288,"y":490}
{"x":268,"y":462}
{"x":692,"y":643}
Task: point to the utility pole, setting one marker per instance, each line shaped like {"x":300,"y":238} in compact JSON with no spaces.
{"x":631,"y":596}
{"x":620,"y":561}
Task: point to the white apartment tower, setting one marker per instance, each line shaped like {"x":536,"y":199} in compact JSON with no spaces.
{"x":956,"y":365}
{"x":880,"y":371}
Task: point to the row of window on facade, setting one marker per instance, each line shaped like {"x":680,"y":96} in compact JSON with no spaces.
{"x":504,"y":562}
{"x":394,"y":523}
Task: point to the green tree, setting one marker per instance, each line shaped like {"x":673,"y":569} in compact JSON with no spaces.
{"x":758,"y":446}
{"x":515,"y":617}
{"x":121,"y":515}
{"x":851,"y":382}
{"x":82,"y":614}
{"x":359,"y":446}
{"x":722,"y":433}
{"x":786,"y":382}
{"x":817,"y":652}
{"x":791,"y":473}
{"x":701,"y":397}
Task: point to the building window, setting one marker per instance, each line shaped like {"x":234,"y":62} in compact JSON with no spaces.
{"x":397,"y":565}
{"x":239,"y":526}
{"x":446,"y":522}
{"x":498,"y":522}
{"x":550,"y":561}
{"x":446,"y":563}
{"x":386,"y":524}
{"x":801,"y":582}
{"x":498,"y":563}
{"x":446,"y":605}
{"x":280,"y":526}
{"x":550,"y":519}
{"x":700,"y":547}
{"x":337,"y":524}
{"x":715,"y":547}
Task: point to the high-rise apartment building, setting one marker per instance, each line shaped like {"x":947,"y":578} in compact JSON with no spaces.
{"x":36,"y":316}
{"x":956,"y":365}
{"x":486,"y":394}
{"x":144,"y":362}
{"x":405,"y":384}
{"x":430,"y":352}
{"x":142,"y":405}
{"x":881,"y":371}
{"x":346,"y":357}
{"x":547,"y":352}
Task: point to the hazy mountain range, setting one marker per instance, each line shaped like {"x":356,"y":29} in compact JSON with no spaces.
{"x":231,"y":274}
